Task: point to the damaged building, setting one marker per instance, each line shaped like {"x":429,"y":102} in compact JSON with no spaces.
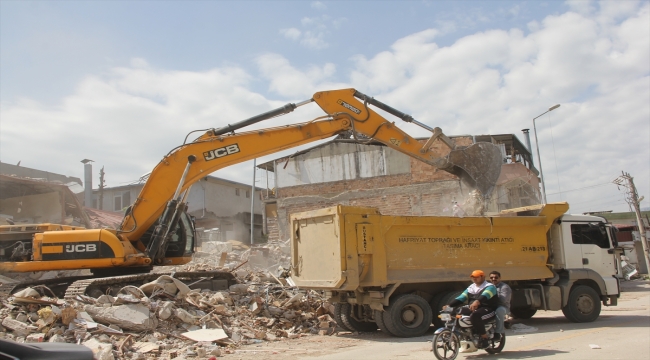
{"x":351,"y":172}
{"x":29,"y":196}
{"x":221,"y":208}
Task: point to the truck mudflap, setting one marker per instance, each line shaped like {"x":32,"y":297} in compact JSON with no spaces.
{"x":611,"y":300}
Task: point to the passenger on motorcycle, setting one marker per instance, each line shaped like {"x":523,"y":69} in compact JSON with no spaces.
{"x":505,"y":293}
{"x":483,"y":301}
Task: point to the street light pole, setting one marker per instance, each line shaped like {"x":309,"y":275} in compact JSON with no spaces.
{"x":539,"y":159}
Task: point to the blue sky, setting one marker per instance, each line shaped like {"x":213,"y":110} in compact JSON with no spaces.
{"x":51,"y":45}
{"x":92,"y":79}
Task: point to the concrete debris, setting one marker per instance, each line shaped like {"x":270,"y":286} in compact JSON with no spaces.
{"x":167,"y":284}
{"x":521,"y":328}
{"x":167,"y":319}
{"x":101,"y":350}
{"x":135,"y":317}
{"x":19,"y":327}
{"x":27,"y":293}
{"x":145,"y":347}
{"x":35,"y":338}
{"x":208,"y":335}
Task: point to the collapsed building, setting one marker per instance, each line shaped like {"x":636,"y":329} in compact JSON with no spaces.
{"x":35,"y":201}
{"x":366,"y":173}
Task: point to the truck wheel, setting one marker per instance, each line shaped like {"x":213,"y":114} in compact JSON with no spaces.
{"x":337,"y":317}
{"x":523,"y":313}
{"x":352,"y":323}
{"x":436,"y":306}
{"x":379,"y":319}
{"x":408,"y":315}
{"x":583,"y":305}
{"x":450,"y":296}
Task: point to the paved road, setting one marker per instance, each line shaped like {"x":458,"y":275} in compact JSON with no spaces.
{"x":621,"y":332}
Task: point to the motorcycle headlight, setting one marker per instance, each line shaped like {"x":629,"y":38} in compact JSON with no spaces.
{"x":445,"y":317}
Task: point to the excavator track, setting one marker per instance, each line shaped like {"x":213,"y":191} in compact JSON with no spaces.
{"x":7,"y":289}
{"x":79,"y":285}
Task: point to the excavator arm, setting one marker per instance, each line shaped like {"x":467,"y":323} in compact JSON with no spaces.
{"x":347,"y":110}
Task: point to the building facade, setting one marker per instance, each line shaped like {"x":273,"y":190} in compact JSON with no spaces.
{"x":220,"y":206}
{"x":347,"y":172}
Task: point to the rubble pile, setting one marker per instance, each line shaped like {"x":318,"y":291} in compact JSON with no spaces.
{"x":166,"y":319}
{"x":228,"y":255}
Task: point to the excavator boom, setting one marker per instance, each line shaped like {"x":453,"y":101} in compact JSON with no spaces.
{"x":478,"y":165}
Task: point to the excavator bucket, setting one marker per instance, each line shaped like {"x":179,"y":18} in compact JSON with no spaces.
{"x":478,"y":166}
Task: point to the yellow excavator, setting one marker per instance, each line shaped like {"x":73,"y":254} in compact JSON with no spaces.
{"x":156,"y":229}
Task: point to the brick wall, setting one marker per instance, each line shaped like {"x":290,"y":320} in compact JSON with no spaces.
{"x":272,"y":229}
{"x":424,"y":191}
{"x":430,"y":198}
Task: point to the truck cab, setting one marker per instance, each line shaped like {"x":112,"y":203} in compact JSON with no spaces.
{"x":581,"y":242}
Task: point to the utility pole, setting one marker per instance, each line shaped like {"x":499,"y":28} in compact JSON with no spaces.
{"x":101,"y":189}
{"x":253,"y":202}
{"x":632,"y":198}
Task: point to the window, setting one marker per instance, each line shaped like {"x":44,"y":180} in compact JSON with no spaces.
{"x":595,"y":234}
{"x":237,"y":192}
{"x":121,"y":201}
{"x":117,"y":203}
{"x":248,"y":194}
{"x":126,"y":199}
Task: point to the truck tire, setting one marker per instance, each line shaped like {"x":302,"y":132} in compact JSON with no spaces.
{"x":436,"y":306}
{"x":408,"y":315}
{"x":523,"y":313}
{"x":352,"y":323}
{"x":583,"y":305}
{"x":451,"y":296}
{"x":337,"y":317}
{"x":379,"y":319}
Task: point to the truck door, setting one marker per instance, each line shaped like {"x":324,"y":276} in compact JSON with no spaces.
{"x":597,"y":251}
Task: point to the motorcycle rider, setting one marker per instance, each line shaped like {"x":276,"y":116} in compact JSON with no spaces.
{"x":483,"y":301}
{"x":505,"y":293}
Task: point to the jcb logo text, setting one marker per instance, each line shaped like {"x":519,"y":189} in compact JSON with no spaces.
{"x":81,"y":248}
{"x":221,"y":152}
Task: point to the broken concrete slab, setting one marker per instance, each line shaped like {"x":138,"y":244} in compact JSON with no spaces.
{"x":165,"y":310}
{"x":184,"y":316}
{"x":129,"y":316}
{"x":167,"y":284}
{"x":208,"y":335}
{"x":101,"y":351}
{"x":19,"y":328}
{"x":35,"y":338}
{"x":145,"y":347}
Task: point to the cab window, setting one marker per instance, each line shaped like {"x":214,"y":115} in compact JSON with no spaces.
{"x":592,"y":234}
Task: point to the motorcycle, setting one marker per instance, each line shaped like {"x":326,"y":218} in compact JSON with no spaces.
{"x":457,"y":336}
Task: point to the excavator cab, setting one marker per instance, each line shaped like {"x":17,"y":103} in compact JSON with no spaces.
{"x":181,"y":240}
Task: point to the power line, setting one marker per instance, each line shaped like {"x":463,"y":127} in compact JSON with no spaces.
{"x":583,"y":188}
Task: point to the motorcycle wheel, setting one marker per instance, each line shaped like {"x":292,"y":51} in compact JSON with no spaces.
{"x":496,"y":346}
{"x":446,"y":345}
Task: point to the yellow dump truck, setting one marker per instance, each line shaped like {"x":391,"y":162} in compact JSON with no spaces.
{"x":396,"y":272}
